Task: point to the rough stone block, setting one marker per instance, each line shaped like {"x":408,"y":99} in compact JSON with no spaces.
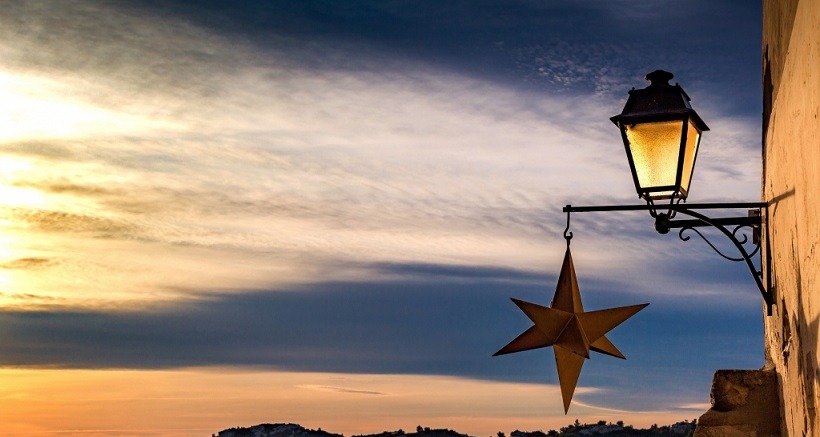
{"x":744,"y":403}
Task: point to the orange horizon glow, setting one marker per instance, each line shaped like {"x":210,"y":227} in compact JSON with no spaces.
{"x":204,"y":401}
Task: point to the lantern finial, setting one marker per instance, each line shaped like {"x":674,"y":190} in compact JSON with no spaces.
{"x":659,"y":78}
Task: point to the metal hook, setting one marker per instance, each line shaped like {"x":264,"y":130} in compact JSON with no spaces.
{"x":567,"y":233}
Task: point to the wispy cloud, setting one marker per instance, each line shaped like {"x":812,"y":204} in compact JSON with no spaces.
{"x":345,"y":390}
{"x":697,"y":407}
{"x":252,"y":152}
{"x":248,"y":148}
{"x":27,"y":263}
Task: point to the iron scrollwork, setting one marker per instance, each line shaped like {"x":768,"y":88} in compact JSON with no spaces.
{"x":742,"y":241}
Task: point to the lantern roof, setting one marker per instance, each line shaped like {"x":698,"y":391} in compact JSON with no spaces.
{"x":659,"y":101}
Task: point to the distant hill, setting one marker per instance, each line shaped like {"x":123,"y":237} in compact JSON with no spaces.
{"x":680,"y":429}
{"x":602,"y":428}
{"x":275,"y":430}
{"x":293,"y":430}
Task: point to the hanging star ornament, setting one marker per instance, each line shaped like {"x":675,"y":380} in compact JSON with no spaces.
{"x":571,"y":331}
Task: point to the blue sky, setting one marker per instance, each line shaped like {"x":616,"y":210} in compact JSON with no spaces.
{"x":358,"y":187}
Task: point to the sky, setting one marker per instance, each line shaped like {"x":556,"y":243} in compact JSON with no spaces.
{"x":218,"y":214}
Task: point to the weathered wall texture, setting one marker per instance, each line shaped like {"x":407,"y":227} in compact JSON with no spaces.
{"x":791,"y":184}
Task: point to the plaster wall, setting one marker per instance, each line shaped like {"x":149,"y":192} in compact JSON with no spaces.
{"x":791,"y":185}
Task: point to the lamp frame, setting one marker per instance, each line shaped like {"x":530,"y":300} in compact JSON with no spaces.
{"x":753,"y":220}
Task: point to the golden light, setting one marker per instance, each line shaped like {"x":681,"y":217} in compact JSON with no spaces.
{"x":40,"y":107}
{"x":655,"y":149}
{"x":13,"y":169}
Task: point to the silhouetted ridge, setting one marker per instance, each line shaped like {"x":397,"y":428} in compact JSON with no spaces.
{"x":420,"y":432}
{"x":275,"y":430}
{"x":602,"y":428}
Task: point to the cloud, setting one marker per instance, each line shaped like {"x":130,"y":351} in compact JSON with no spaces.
{"x":696,"y":407}
{"x":251,"y":149}
{"x":27,"y":263}
{"x":410,"y":271}
{"x":342,"y":390}
{"x":263,"y":155}
{"x":437,"y":326}
{"x":57,"y":221}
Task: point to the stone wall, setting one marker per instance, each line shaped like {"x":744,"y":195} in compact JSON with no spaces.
{"x":791,"y":185}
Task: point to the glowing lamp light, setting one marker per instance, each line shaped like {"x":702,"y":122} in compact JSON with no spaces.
{"x":661,"y":133}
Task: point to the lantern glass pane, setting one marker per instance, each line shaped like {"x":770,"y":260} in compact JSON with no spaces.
{"x":692,"y":142}
{"x":655,"y":149}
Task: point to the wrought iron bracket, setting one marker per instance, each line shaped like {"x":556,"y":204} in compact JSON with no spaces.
{"x":664,"y":222}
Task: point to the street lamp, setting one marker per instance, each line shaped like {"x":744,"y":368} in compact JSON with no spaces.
{"x":661,"y":135}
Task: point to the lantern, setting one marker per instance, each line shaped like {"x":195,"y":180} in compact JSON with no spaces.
{"x":661,"y":133}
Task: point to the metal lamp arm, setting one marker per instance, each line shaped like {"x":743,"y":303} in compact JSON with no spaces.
{"x":663,"y":224}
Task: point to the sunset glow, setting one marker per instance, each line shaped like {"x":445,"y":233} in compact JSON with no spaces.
{"x":140,"y":403}
{"x":36,"y":108}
